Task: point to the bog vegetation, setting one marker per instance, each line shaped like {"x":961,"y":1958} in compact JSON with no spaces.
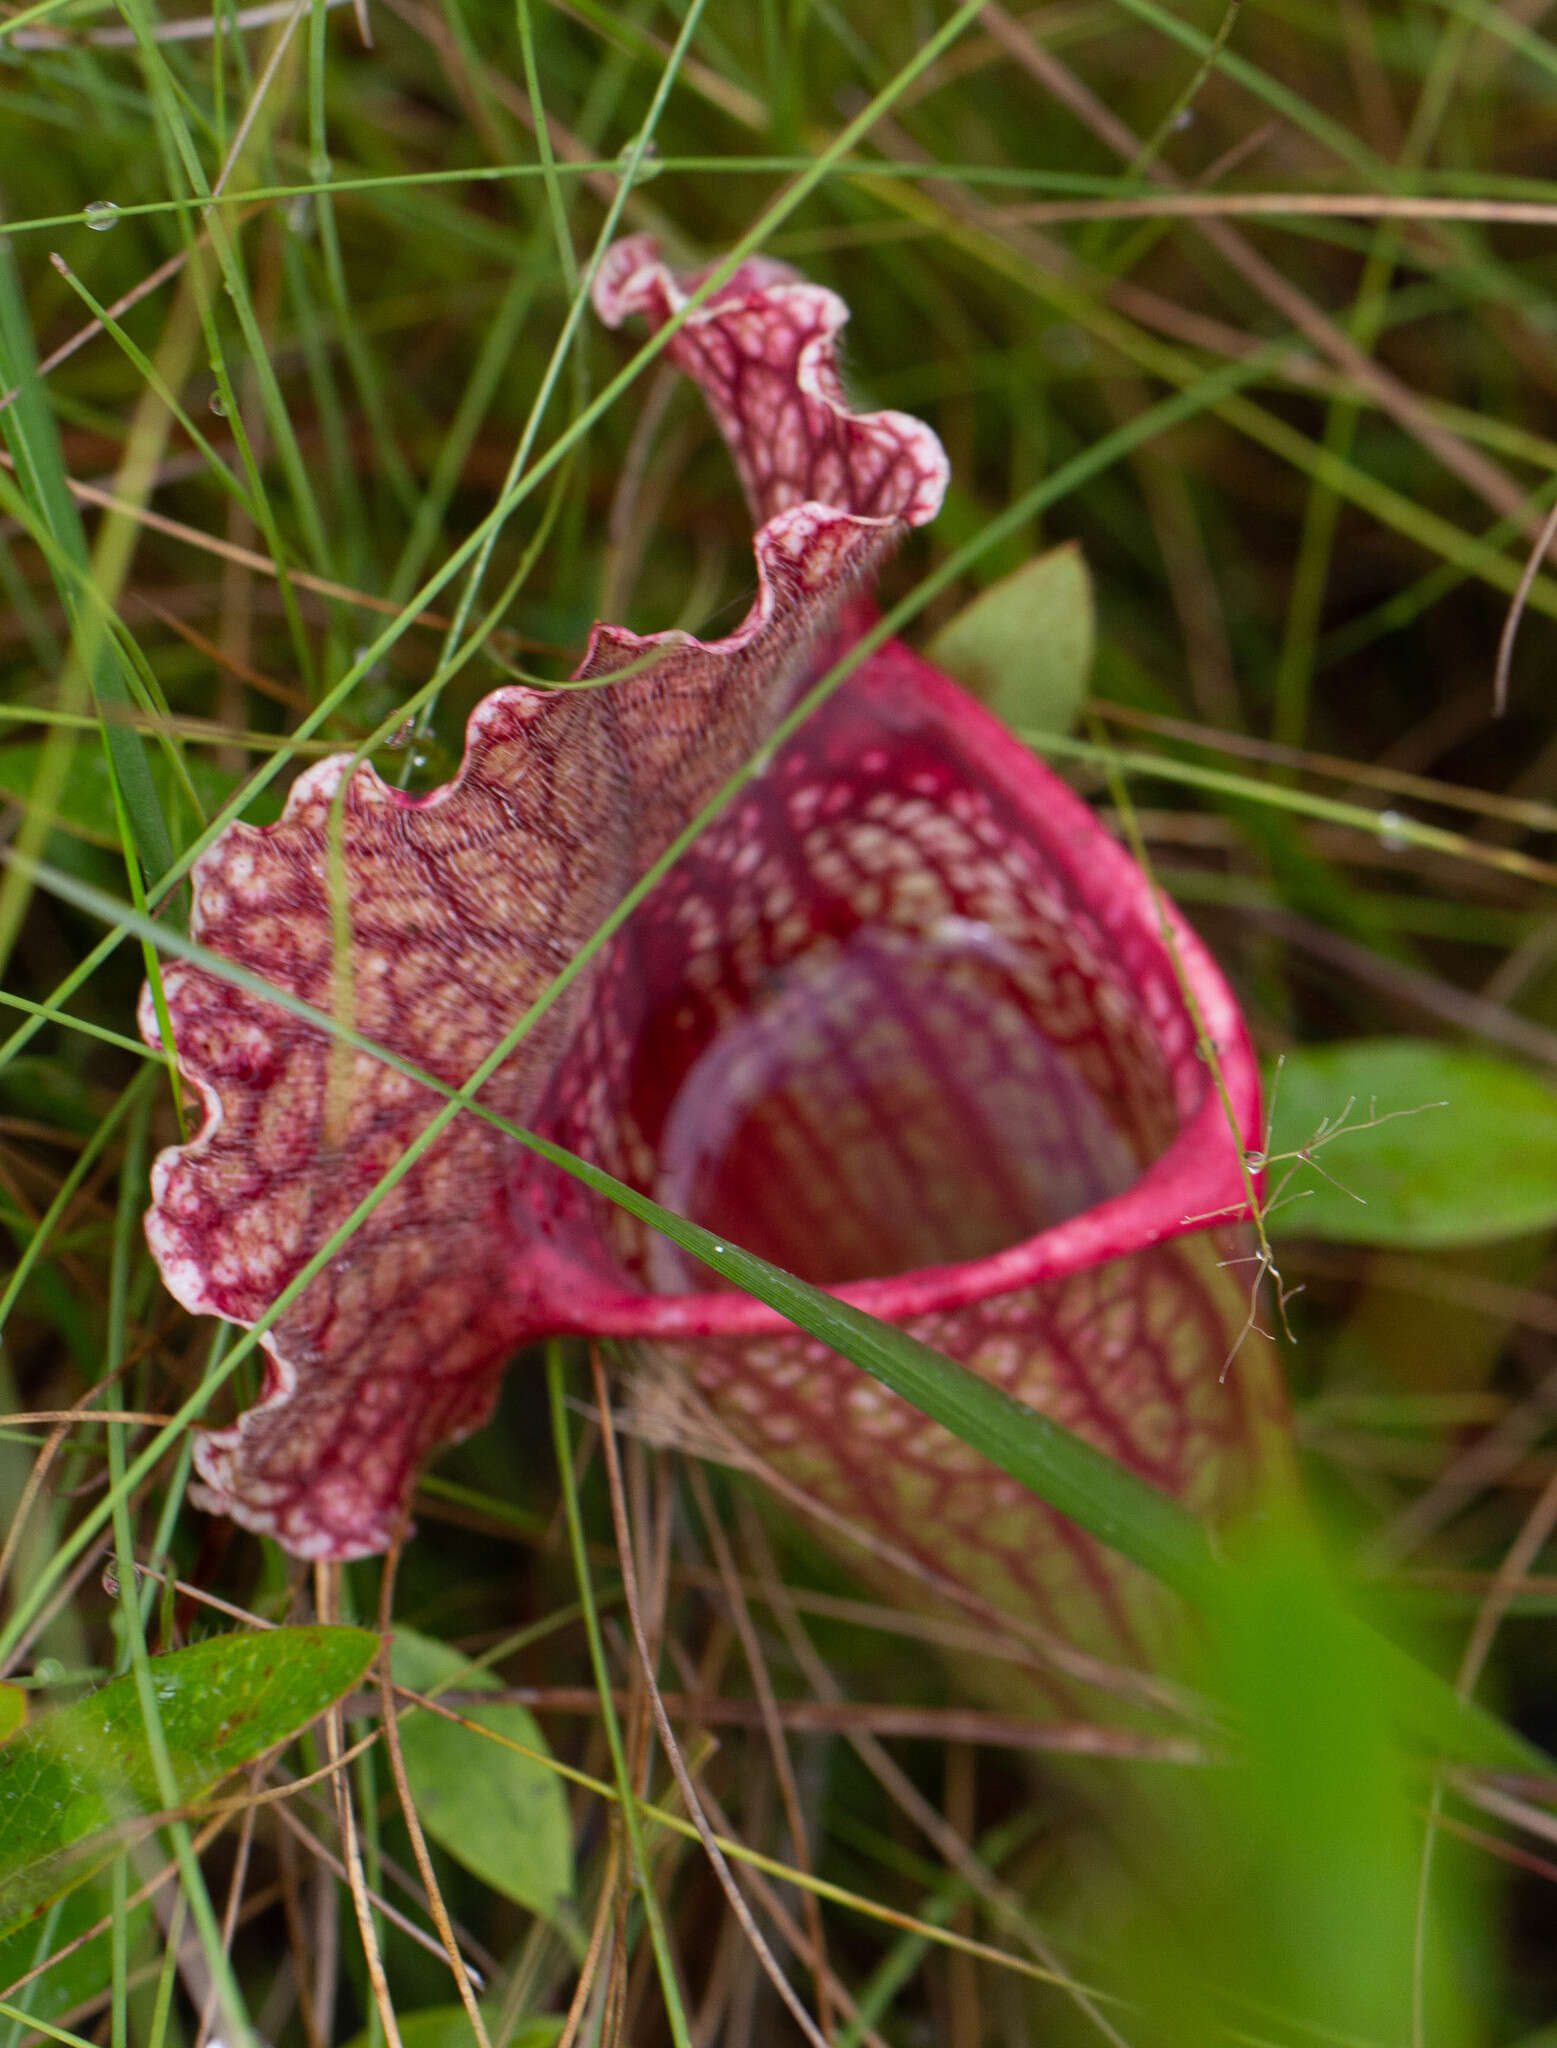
{"x":1236,"y":321}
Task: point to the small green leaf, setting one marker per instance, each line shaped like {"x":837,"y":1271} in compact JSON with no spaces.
{"x":1464,"y":1149}
{"x":13,"y":1710}
{"x":77,"y":1779}
{"x":1025,"y":645}
{"x":448,"y":2026}
{"x":501,"y":1815}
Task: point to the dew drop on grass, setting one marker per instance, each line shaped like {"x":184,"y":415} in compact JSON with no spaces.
{"x":1393,"y":835}
{"x":100,"y":215}
{"x":217,"y":404}
{"x":49,"y":1671}
{"x":649,"y":165}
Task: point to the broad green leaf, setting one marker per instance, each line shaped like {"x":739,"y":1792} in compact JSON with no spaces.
{"x":1432,"y":1145}
{"x":1024,"y":646}
{"x":76,"y":1780}
{"x":13,"y":1710}
{"x":448,"y":2026}
{"x":501,"y":1815}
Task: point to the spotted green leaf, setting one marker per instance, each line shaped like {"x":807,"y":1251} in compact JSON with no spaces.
{"x":77,"y":1781}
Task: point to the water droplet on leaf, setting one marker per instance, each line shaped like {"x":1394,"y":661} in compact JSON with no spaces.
{"x":218,"y":405}
{"x":100,"y":215}
{"x":1392,"y":830}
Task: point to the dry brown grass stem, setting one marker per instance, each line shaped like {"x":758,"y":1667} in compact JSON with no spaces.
{"x":193,"y":28}
{"x":1521,"y":1554}
{"x":23,"y":1418}
{"x":605,"y":1910}
{"x":772,"y":1723}
{"x":151,"y":282}
{"x":1410,"y":986}
{"x":237,"y":1879}
{"x":327,"y":1604}
{"x":668,"y":1412}
{"x":1396,"y":399}
{"x":872,"y":1717}
{"x":1534,"y":815}
{"x":667,"y":1735}
{"x":795,"y":1935}
{"x":339,"y":1867}
{"x":64,"y":1421}
{"x":391,"y":1727}
{"x":1170,"y":204}
{"x":1516,"y":611}
{"x":954,"y":1851}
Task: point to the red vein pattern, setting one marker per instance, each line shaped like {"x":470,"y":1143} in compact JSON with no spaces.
{"x":462,"y":906}
{"x":905,"y":1019}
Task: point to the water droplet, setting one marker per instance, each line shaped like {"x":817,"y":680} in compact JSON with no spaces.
{"x":1393,"y":831}
{"x":217,"y":404}
{"x":1255,"y":1161}
{"x":649,"y":165}
{"x":299,"y":215}
{"x":720,"y":1247}
{"x":420,"y":758}
{"x":100,"y":215}
{"x":49,"y":1671}
{"x":1184,"y":118}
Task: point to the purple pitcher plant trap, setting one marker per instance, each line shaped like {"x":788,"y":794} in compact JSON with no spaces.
{"x":905,"y":1019}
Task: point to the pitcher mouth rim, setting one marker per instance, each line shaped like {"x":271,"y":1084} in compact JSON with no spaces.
{"x":1199,"y":1181}
{"x":1174,"y":1197}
